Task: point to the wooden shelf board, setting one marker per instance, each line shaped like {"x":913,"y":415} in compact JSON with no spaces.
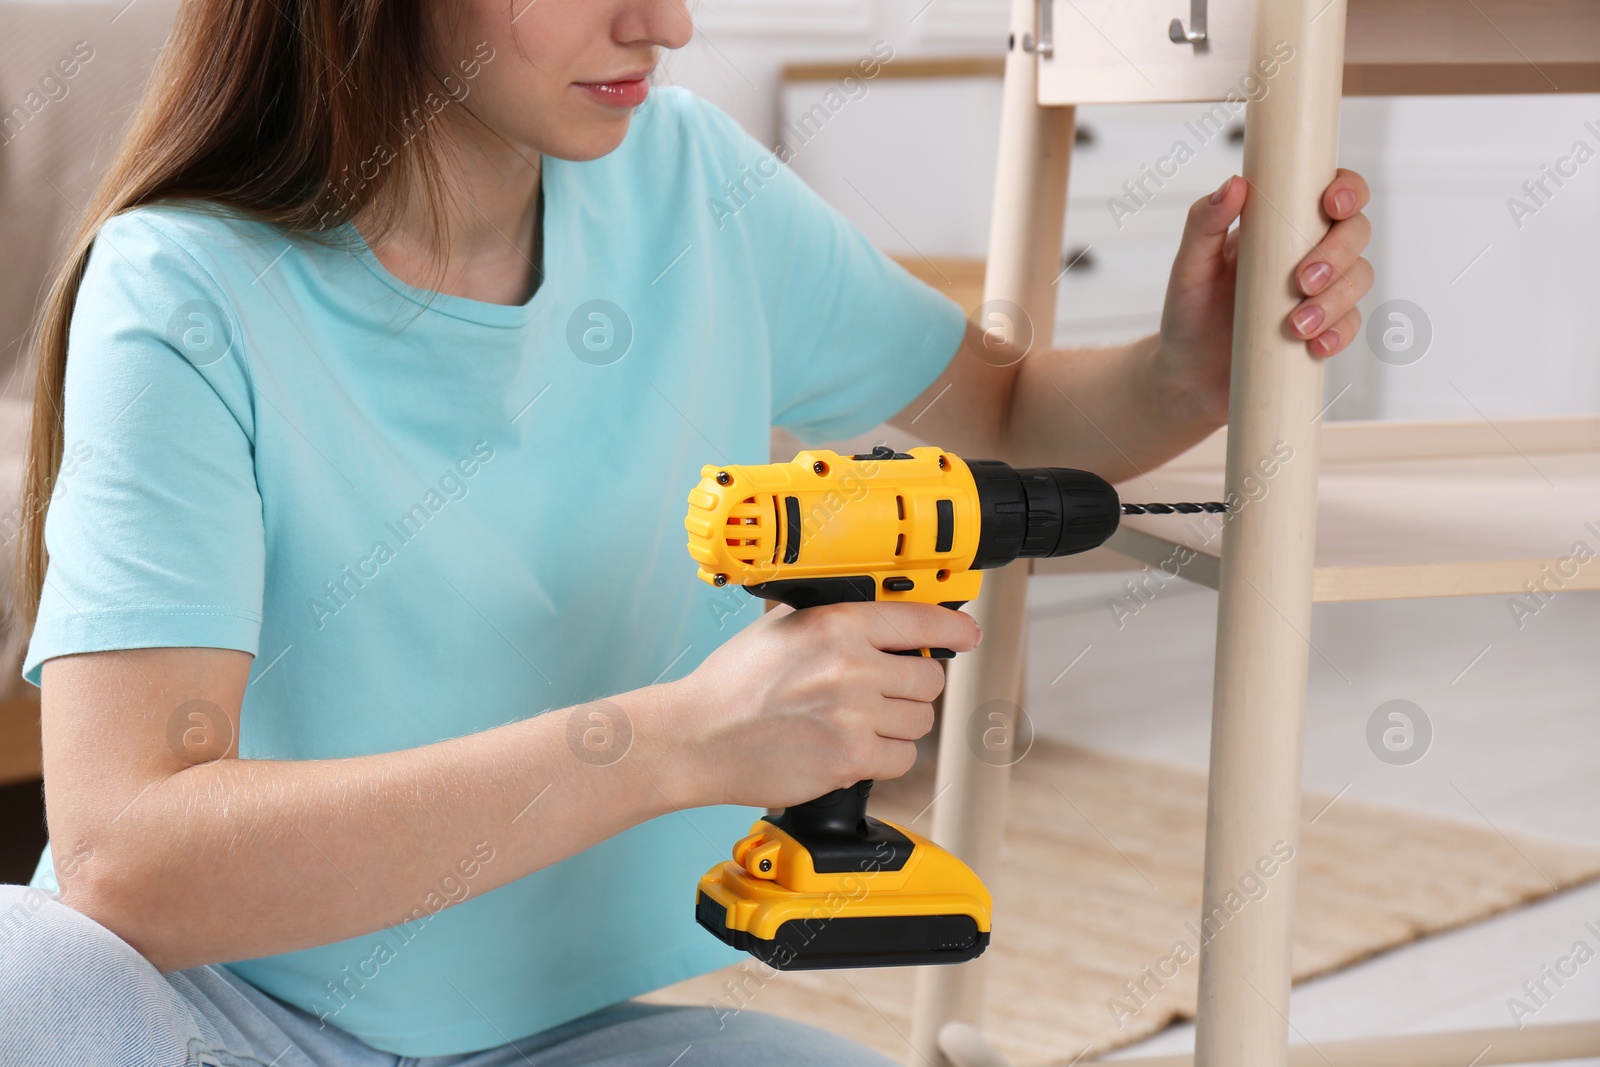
{"x":1410,"y":510}
{"x":981,"y":66}
{"x":1435,"y":47}
{"x":1427,"y":78}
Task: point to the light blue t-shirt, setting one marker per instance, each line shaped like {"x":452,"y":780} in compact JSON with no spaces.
{"x":427,"y":516}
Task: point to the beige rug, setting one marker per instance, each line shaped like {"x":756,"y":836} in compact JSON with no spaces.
{"x":1101,"y":878}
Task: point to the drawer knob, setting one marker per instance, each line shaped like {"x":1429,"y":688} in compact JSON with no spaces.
{"x":1078,"y":259}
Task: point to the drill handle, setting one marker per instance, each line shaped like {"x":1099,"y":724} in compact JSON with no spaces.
{"x":842,"y":814}
{"x":801,"y":593}
{"x":839,"y":814}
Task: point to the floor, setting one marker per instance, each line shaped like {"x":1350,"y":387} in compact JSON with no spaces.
{"x":1515,"y":742}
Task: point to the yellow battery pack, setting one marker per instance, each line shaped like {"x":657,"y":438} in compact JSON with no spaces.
{"x":897,"y":899}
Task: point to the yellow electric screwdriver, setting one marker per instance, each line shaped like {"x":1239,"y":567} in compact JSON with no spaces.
{"x":823,"y":884}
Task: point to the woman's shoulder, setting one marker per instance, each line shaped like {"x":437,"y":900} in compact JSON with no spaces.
{"x":191,"y":238}
{"x":188,"y":220}
{"x":169,"y":273}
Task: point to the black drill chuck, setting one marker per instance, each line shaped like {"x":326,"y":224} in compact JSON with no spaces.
{"x":1040,"y":511}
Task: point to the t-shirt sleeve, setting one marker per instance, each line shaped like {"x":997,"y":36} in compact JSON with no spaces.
{"x":154,"y":531}
{"x":854,"y":336}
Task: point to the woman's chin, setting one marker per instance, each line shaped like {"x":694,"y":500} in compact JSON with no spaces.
{"x":590,"y":140}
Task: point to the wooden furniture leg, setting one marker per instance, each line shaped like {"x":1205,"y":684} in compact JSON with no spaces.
{"x":1024,"y":261}
{"x":1264,"y":609}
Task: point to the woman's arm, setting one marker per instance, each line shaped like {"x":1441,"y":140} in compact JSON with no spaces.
{"x":1127,"y":408}
{"x":1112,"y":410}
{"x":195,"y":856}
{"x":192,"y":855}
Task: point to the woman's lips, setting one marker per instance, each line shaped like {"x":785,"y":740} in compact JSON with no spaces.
{"x":618,"y":94}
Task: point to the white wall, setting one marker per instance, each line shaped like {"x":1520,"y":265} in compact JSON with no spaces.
{"x":1512,"y":330}
{"x":741,"y":46}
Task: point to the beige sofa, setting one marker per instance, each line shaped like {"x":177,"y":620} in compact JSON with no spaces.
{"x":69,"y":75}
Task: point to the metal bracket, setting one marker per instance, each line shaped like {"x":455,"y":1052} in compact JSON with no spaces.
{"x":1197,"y":25}
{"x":1044,"y":45}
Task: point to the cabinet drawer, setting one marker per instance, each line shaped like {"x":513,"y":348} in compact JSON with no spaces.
{"x":1165,"y":151}
{"x":1103,"y":50}
{"x":1117,"y":278}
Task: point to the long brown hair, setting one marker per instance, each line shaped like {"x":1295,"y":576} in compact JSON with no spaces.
{"x":271,"y":109}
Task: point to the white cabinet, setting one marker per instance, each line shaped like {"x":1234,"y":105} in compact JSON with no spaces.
{"x":1136,"y":168}
{"x":911,"y":164}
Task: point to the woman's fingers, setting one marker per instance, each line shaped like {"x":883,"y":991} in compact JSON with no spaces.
{"x":1345,"y":195}
{"x":905,"y":720}
{"x":899,"y":624}
{"x":909,"y":677}
{"x":1335,"y":301}
{"x":1205,"y":234}
{"x":890,"y":758}
{"x":1334,"y":276}
{"x":1337,"y":337}
{"x":1334,"y":256}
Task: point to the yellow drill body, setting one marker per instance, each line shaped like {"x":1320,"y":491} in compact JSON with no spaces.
{"x":878,"y":518}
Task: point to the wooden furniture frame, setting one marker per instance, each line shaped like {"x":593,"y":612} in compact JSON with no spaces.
{"x":1377,"y":534}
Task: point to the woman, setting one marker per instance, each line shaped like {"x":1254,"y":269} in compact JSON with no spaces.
{"x":384,"y":715}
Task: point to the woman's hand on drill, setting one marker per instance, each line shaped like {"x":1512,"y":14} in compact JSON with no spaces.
{"x":803,"y":702}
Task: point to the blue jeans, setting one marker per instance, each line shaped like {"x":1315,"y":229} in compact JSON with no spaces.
{"x":72,"y":992}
